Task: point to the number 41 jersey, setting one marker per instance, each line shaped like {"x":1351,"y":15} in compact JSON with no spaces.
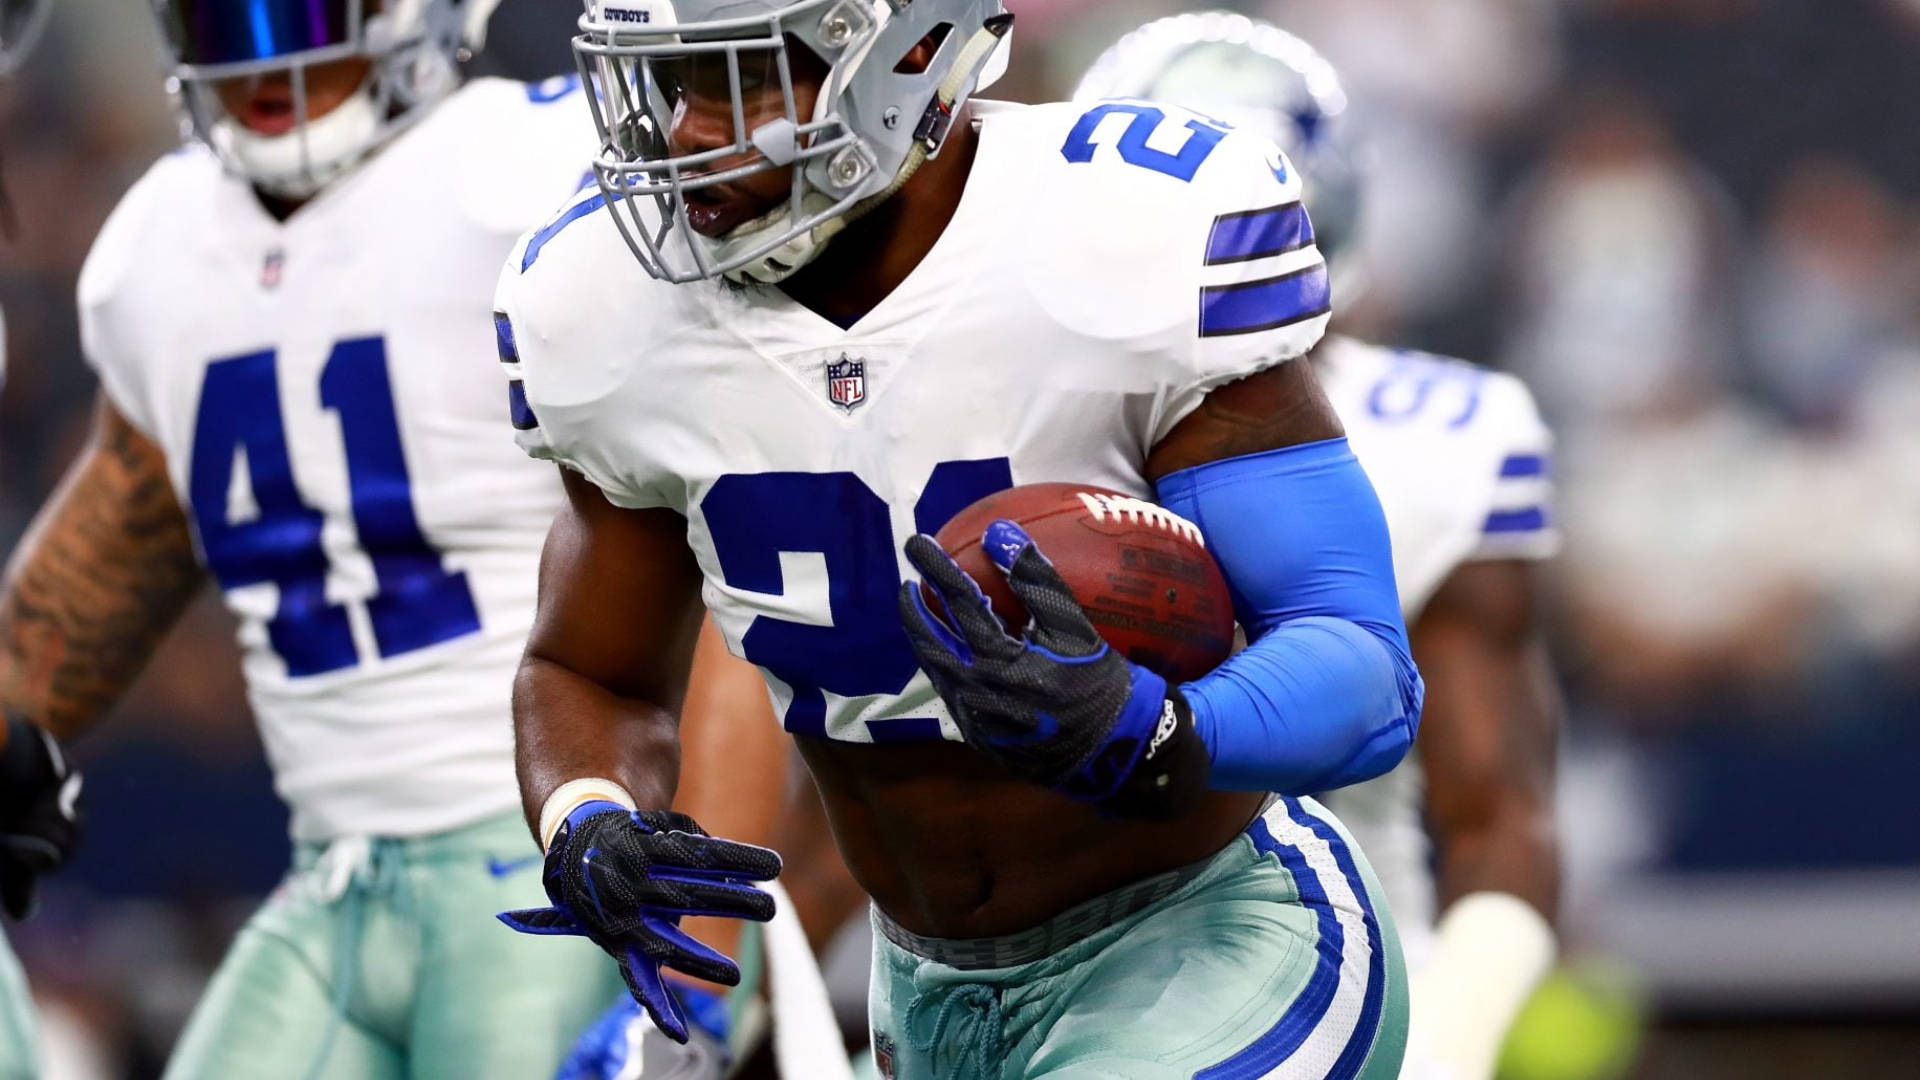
{"x":1105,"y":269}
{"x":313,"y":385}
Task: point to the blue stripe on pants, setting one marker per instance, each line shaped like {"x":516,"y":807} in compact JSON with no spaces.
{"x":1303,"y":1017}
{"x":1361,"y":1041}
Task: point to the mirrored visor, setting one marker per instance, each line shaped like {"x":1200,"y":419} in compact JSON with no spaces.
{"x":693,"y":101}
{"x":235,"y":31}
{"x":709,"y":80}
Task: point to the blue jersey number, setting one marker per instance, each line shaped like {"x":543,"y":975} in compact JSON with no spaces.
{"x":1202,"y":137}
{"x":419,"y":603}
{"x":1409,"y":386}
{"x":755,"y":518}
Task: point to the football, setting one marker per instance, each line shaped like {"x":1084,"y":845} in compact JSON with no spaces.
{"x":1141,"y":572}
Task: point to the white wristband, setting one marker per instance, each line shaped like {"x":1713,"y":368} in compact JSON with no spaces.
{"x":1490,"y":951}
{"x":569,"y":796}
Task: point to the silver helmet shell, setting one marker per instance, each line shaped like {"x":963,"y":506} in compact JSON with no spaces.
{"x":20,"y":24}
{"x":1254,"y":75}
{"x":875,"y":120}
{"x":414,"y":47}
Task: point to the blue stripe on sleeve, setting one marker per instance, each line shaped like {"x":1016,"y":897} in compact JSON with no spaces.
{"x":1268,"y":304}
{"x":1521,"y":465}
{"x":503,"y":338}
{"x":910,"y":729}
{"x":517,"y":407}
{"x":574,"y":213}
{"x":1257,"y":234}
{"x":1532,"y":519}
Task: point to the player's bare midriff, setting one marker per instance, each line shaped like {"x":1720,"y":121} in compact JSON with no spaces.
{"x":951,"y":847}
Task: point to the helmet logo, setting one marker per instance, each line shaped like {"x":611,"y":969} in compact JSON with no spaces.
{"x":847,"y":382}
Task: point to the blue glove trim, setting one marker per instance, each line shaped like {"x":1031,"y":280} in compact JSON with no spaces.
{"x":1327,"y":694}
{"x":1100,"y":778}
{"x":707,"y":1010}
{"x":591,"y":808}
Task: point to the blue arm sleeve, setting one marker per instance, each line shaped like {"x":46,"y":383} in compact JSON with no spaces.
{"x":1326,"y":694}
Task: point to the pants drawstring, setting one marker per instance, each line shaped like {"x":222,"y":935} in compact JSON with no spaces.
{"x":974,"y":1007}
{"x":353,"y":871}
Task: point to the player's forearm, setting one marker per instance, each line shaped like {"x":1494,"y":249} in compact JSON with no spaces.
{"x":735,"y":757}
{"x":1515,"y":851}
{"x":102,"y":574}
{"x":568,"y":728}
{"x":1327,"y":695}
{"x":733,"y":764}
{"x":1489,"y":739}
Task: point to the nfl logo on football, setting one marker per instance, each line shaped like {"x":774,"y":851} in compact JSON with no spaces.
{"x":847,"y":382}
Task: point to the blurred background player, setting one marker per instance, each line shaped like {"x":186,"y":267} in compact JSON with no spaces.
{"x":1460,"y":457}
{"x":282,"y":315}
{"x":39,"y":791}
{"x":21,"y":22}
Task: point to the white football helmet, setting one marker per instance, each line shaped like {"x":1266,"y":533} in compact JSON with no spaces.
{"x":415,"y":47}
{"x":876,"y":119}
{"x":1257,"y":76}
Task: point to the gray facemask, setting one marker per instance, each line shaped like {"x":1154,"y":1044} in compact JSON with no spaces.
{"x":692,"y":95}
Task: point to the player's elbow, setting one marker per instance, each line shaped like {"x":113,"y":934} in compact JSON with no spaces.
{"x":1387,"y":694}
{"x":1315,"y":704}
{"x":1379,"y":752}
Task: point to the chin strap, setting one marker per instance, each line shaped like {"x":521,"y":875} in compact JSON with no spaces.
{"x":929,"y":135}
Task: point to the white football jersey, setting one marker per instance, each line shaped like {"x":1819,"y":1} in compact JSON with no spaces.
{"x":1462,"y":463}
{"x":1106,"y":268}
{"x":323,"y":391}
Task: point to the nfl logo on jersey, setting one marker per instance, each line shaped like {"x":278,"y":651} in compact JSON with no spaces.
{"x":847,"y":382}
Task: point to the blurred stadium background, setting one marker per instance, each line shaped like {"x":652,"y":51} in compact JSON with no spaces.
{"x":1691,"y":224}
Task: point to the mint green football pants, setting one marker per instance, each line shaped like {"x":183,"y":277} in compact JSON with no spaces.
{"x":1279,"y":959}
{"x":19,"y":1049}
{"x":382,"y":960}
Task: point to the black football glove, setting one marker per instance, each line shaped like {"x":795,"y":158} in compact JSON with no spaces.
{"x":625,"y":878}
{"x":1057,"y":706}
{"x":40,"y":812}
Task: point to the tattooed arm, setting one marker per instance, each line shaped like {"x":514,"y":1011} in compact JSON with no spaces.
{"x":104,"y":571}
{"x":1280,"y":407}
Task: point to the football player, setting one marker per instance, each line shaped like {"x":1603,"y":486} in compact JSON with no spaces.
{"x":819,"y":302}
{"x":1461,"y":461}
{"x":39,"y":791}
{"x":285,"y":316}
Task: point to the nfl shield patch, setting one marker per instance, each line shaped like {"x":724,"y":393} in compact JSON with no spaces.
{"x":847,"y":382}
{"x":883,"y":1055}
